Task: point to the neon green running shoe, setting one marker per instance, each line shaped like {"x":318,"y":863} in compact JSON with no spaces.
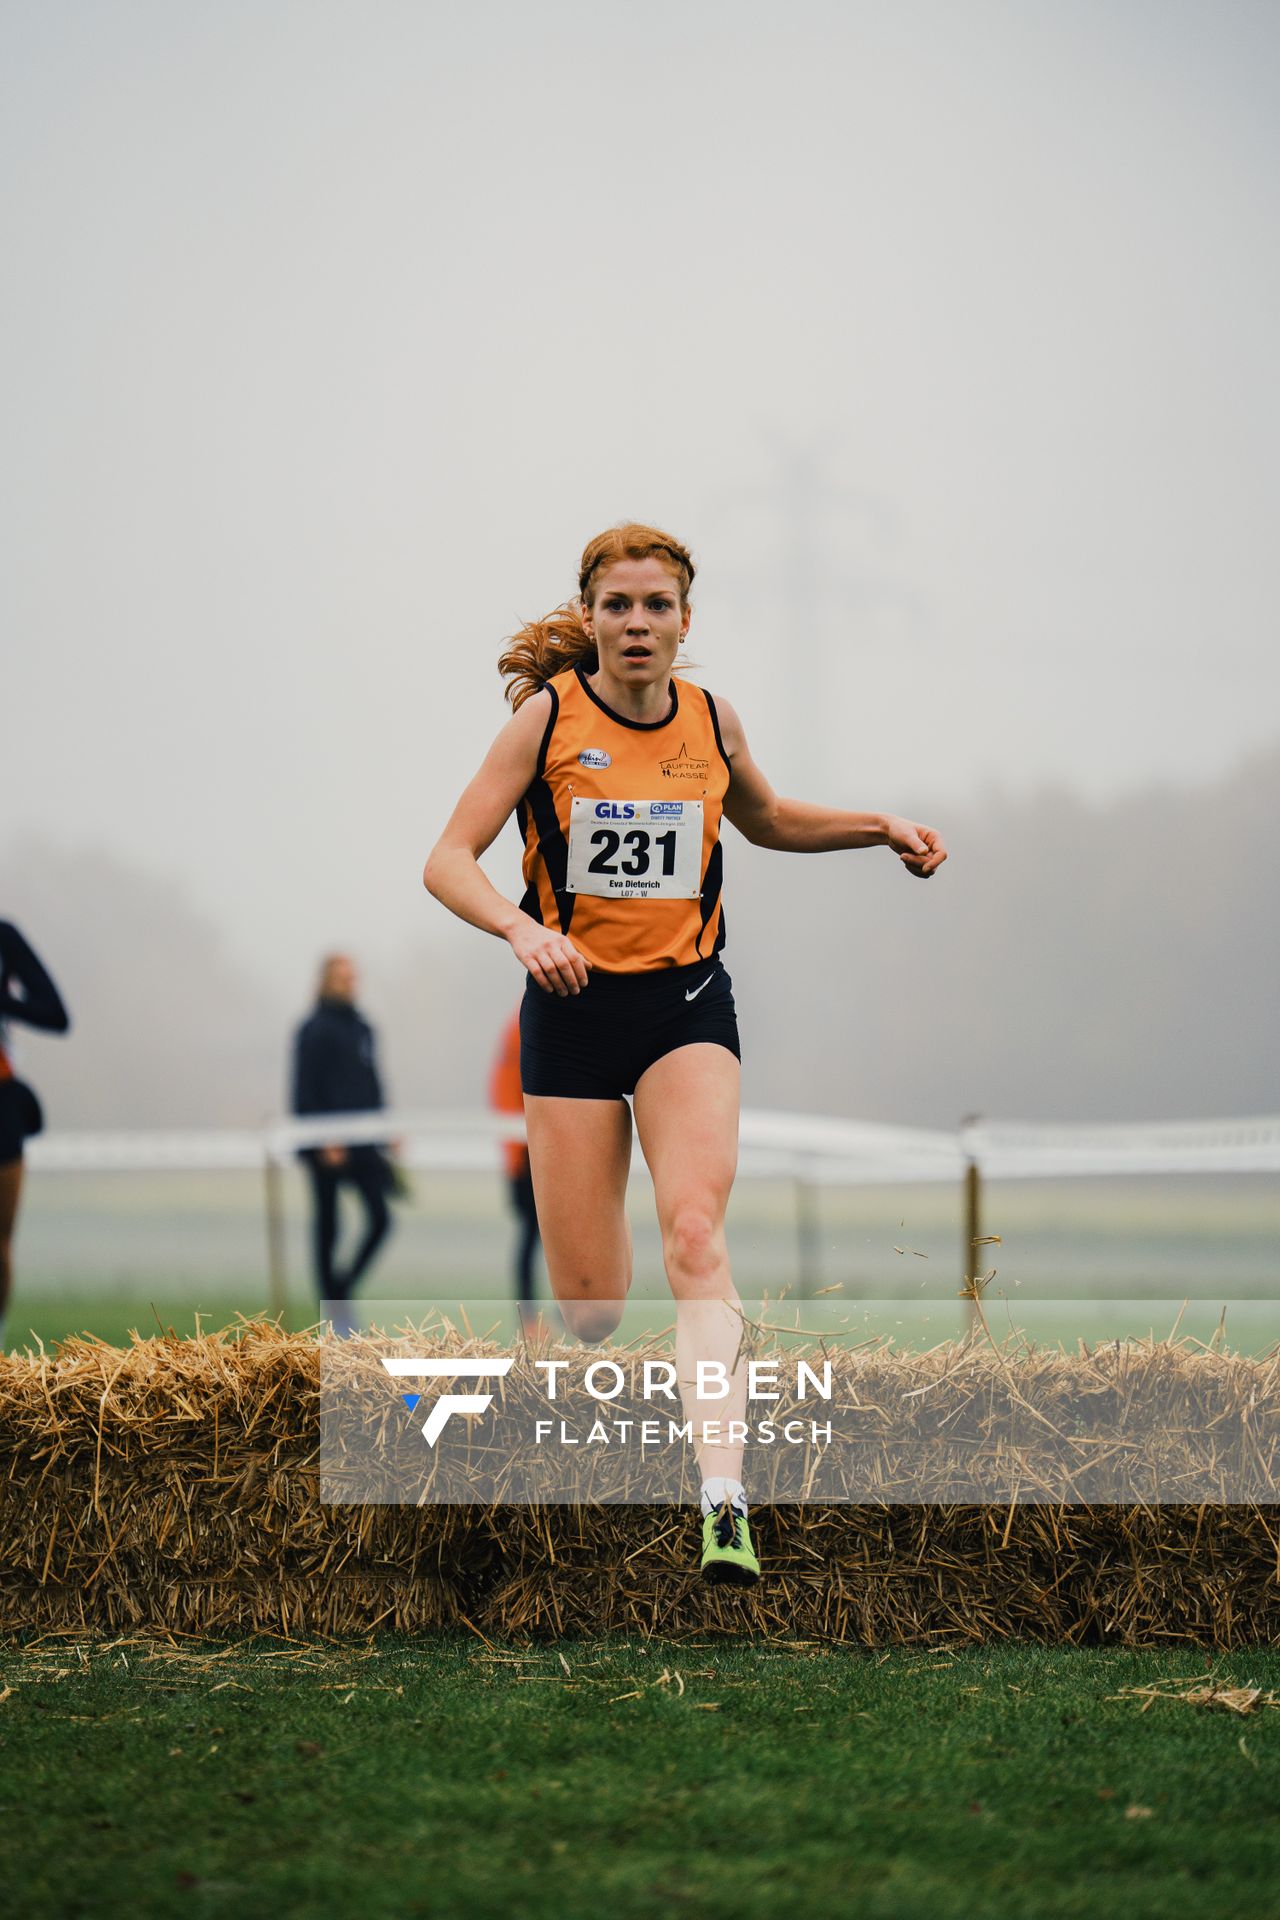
{"x":728,"y":1557}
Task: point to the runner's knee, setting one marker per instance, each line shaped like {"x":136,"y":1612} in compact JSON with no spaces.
{"x":591,"y":1321}
{"x":693,"y":1245}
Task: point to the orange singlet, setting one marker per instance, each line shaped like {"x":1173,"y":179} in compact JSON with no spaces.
{"x":621,"y":826}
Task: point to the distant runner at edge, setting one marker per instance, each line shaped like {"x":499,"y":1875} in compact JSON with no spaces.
{"x":619,"y":774}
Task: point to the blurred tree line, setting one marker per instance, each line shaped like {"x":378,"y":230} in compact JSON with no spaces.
{"x":1071,"y":962}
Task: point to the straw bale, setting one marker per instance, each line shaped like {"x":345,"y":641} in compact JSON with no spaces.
{"x":175,"y":1484}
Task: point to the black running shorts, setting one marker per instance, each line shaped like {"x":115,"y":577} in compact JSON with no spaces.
{"x":595,"y":1045}
{"x":20,"y":1117}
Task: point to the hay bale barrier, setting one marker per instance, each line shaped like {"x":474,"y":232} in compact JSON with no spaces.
{"x":175,"y":1485}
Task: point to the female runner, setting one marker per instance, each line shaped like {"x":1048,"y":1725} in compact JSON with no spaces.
{"x":618,"y":775}
{"x":28,"y":994}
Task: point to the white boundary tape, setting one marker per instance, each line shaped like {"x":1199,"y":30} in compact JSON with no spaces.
{"x":812,"y":1147}
{"x":1036,"y":1150}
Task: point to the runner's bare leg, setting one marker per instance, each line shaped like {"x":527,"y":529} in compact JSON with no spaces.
{"x":580,"y":1157}
{"x":687,"y":1116}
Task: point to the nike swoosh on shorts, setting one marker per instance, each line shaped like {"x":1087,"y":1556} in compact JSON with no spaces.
{"x":697,"y":990}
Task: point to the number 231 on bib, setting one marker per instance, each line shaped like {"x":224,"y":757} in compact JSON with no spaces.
{"x":636,"y":849}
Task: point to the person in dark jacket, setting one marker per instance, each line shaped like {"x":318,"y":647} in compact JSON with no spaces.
{"x":27,"y":994}
{"x":335,"y":1071}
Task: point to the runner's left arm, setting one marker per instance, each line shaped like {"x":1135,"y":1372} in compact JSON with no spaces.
{"x":39,"y":1004}
{"x":767,"y":819}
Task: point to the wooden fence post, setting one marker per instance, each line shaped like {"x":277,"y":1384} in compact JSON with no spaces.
{"x":277,"y":1276}
{"x":972,"y":1210}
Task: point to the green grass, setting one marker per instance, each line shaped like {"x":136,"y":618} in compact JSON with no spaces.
{"x":112,"y":1312}
{"x":442,"y":1778}
{"x":50,"y":1315}
{"x":184,"y":1232}
{"x":107,"y":1252}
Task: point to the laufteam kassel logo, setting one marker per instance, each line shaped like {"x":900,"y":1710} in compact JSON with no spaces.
{"x":684,"y":765}
{"x":448,"y":1403}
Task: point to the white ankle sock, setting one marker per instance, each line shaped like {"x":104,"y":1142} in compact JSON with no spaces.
{"x":719,"y":1489}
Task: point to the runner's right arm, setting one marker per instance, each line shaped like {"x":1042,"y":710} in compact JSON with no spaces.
{"x":453,"y":873}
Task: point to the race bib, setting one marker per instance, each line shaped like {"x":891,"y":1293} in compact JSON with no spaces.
{"x":636,"y":849}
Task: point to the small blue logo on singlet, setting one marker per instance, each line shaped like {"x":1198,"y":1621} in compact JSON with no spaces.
{"x":595,"y":757}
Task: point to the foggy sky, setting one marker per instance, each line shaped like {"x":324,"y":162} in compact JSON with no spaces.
{"x":943,"y":333}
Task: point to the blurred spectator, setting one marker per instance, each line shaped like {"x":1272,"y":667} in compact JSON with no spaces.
{"x":27,"y":994}
{"x":507,"y":1096}
{"x":334,"y":1071}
